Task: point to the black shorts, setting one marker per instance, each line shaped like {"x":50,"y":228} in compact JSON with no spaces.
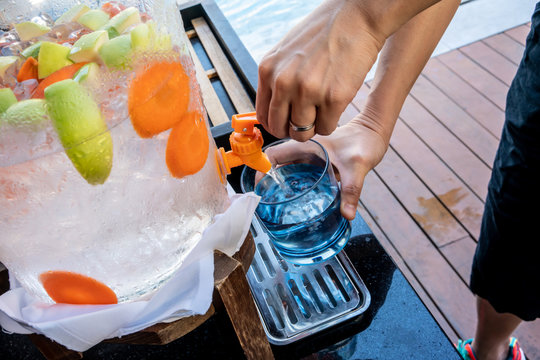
{"x":506,"y":266}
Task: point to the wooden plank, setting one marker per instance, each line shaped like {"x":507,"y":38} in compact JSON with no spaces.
{"x":236,"y":295}
{"x":519,"y":33}
{"x":492,"y":61}
{"x":246,"y":252}
{"x":463,"y":163}
{"x":211,"y":74}
{"x":443,"y":285}
{"x":213,"y":106}
{"x":476,"y":76}
{"x":474,"y":136}
{"x":230,"y":80}
{"x":444,"y":144}
{"x":406,"y":271}
{"x":468,"y":98}
{"x":191,"y":34}
{"x":419,"y":201}
{"x":448,"y":188}
{"x":506,"y":46}
{"x":460,"y":254}
{"x":51,"y":350}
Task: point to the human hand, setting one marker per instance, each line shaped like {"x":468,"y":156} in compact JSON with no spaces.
{"x":314,"y":72}
{"x":354,"y":149}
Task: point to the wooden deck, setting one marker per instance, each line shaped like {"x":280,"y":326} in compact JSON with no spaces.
{"x":424,"y":202}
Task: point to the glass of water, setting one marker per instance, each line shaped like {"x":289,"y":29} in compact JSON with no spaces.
{"x":300,"y":198}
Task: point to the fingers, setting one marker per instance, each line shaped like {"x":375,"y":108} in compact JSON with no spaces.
{"x":351,"y":187}
{"x":262,"y":102}
{"x":292,"y":104}
{"x":289,"y":151}
{"x":302,"y":125}
{"x":264,"y":91}
{"x":331,"y":108}
{"x":300,"y":120}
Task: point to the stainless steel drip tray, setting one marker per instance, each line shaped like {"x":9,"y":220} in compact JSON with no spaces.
{"x":298,"y":301}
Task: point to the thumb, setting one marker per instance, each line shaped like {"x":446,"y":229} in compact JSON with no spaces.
{"x":351,"y":187}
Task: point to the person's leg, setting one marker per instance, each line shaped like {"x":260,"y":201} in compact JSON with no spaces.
{"x":493,"y":331}
{"x":505,"y":265}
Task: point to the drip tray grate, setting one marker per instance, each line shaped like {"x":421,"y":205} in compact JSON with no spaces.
{"x":297,"y":301}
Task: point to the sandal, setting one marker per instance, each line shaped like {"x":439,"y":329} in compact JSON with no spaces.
{"x":515,"y":352}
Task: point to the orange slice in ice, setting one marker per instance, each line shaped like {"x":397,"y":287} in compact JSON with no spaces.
{"x":67,"y":72}
{"x":158,"y":97}
{"x":187,"y":147}
{"x":67,"y":287}
{"x":29,"y":70}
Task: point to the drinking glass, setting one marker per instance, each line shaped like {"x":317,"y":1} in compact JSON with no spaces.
{"x":300,"y":198}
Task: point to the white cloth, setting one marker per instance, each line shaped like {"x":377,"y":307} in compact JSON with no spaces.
{"x":188,"y":292}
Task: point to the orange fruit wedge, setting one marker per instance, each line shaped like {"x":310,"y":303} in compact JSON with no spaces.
{"x":64,"y":73}
{"x":66,"y":287}
{"x":158,"y":97}
{"x":29,"y":70}
{"x":187,"y":147}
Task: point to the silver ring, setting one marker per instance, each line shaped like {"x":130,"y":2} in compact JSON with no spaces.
{"x":302,"y":128}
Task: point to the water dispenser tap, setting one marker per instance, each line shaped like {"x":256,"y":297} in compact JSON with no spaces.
{"x":246,"y":145}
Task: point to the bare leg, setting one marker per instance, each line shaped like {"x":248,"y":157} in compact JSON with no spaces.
{"x":493,"y":331}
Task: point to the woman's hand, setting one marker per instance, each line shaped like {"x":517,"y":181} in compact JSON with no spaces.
{"x":314,"y":72}
{"x":354,"y":149}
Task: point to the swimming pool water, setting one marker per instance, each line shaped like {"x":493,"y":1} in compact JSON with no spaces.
{"x":260,"y":24}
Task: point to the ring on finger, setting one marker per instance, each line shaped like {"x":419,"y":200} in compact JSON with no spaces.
{"x":302,"y":128}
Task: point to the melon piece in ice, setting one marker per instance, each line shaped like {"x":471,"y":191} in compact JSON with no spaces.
{"x":6,"y":62}
{"x":88,"y":73}
{"x":111,"y":31}
{"x":124,"y":19}
{"x":81,"y":129}
{"x":140,"y":37}
{"x":87,"y":47}
{"x":7,"y":98}
{"x":31,"y":114}
{"x":52,"y":57}
{"x":94,"y":19}
{"x":72,"y":14}
{"x":28,"y":30}
{"x":32,"y":50}
{"x":115,"y":52}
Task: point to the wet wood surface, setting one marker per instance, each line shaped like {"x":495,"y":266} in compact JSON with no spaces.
{"x":424,"y":201}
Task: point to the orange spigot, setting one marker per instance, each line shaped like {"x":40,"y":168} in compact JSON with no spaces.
{"x":246,"y":145}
